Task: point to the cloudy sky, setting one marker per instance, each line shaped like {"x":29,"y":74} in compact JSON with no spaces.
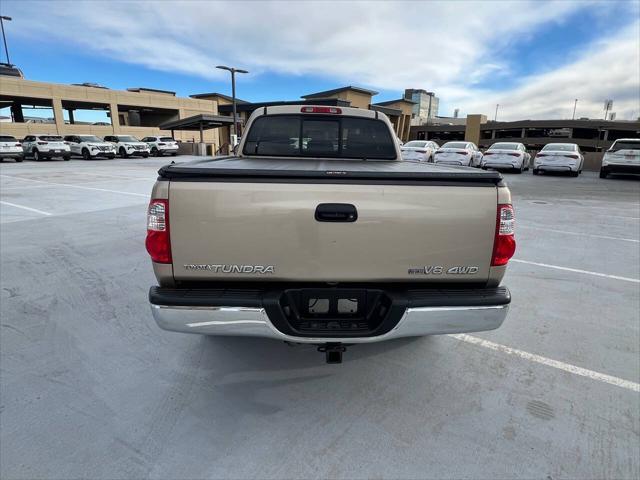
{"x":531,"y":57}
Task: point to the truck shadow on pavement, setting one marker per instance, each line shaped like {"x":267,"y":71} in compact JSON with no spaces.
{"x":275,"y":355}
{"x":260,"y":377}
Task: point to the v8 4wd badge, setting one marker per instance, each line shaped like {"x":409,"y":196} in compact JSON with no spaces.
{"x":440,"y":270}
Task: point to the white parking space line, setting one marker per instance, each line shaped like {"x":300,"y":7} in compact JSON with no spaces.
{"x":577,"y":270}
{"x":22,"y":187}
{"x":25,"y":208}
{"x":583,"y":372}
{"x":588,"y":207}
{"x":78,"y":186}
{"x":526,"y":227}
{"x":111,"y":176}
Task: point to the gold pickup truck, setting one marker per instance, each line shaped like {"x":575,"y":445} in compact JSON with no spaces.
{"x":317,"y":232}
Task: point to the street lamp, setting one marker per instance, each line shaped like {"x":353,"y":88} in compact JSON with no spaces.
{"x":233,"y":94}
{"x":495,"y":117}
{"x":4,"y":39}
{"x":575,"y":104}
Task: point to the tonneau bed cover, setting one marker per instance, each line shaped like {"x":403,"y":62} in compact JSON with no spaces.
{"x":270,"y":168}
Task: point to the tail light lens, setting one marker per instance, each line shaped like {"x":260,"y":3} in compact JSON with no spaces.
{"x":488,"y":153}
{"x":541,"y":155}
{"x":42,"y":143}
{"x":332,"y":110}
{"x":162,"y":144}
{"x":572,"y":156}
{"x":158,"y":242}
{"x":462,"y":152}
{"x":504,"y":244}
{"x":18,"y":144}
{"x":514,"y":154}
{"x":421,"y":151}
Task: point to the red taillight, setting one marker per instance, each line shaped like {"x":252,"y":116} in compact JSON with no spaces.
{"x":462,"y":152}
{"x":18,"y":144}
{"x":572,"y":156}
{"x":504,"y":243}
{"x":332,"y":110}
{"x":488,"y":153}
{"x":541,"y":155}
{"x":42,"y":143}
{"x":514,"y":154}
{"x":421,"y":151}
{"x":163,"y":144}
{"x":158,"y":241}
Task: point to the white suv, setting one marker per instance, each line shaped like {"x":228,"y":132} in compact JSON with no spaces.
{"x":622,"y":157}
{"x":90,"y":146}
{"x":10,"y":148}
{"x":45,"y":146}
{"x":126,"y":145}
{"x":161,"y":145}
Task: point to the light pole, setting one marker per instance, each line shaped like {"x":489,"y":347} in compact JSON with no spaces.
{"x":575,"y":104}
{"x":233,"y":94}
{"x":4,"y":39}
{"x":495,"y":117}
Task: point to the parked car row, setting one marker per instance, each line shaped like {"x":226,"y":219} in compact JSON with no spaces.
{"x":41,"y":147}
{"x":622,"y":157}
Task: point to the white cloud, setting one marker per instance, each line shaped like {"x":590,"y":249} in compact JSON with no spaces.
{"x":448,"y":47}
{"x":609,"y":68}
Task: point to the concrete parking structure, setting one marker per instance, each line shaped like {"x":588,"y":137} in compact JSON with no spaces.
{"x":92,"y":388}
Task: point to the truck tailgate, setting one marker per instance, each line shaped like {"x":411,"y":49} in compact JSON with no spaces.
{"x":426,"y":233}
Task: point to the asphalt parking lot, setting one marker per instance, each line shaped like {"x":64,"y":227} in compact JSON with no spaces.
{"x":91,"y":388}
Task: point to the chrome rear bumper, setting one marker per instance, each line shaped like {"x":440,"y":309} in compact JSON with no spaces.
{"x":254,"y":322}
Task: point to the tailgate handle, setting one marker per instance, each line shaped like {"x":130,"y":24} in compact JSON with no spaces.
{"x":336,"y":212}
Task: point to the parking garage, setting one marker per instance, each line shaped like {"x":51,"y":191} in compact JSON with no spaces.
{"x":30,"y":107}
{"x":590,"y":135}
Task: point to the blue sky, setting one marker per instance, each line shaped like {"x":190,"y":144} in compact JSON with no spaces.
{"x":472,"y":54}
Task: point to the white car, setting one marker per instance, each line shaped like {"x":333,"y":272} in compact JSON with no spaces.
{"x":90,"y":146}
{"x":559,"y":157}
{"x":45,"y":147}
{"x":10,"y":148}
{"x":419,"y":150}
{"x":459,"y":153}
{"x":127,"y":145}
{"x":161,"y":145}
{"x":501,"y":155}
{"x":622,"y":157}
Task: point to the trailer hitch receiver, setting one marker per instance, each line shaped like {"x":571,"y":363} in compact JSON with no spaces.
{"x":333,"y":352}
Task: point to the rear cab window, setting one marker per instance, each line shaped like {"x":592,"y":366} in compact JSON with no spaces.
{"x":7,"y":138}
{"x":320,"y":136}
